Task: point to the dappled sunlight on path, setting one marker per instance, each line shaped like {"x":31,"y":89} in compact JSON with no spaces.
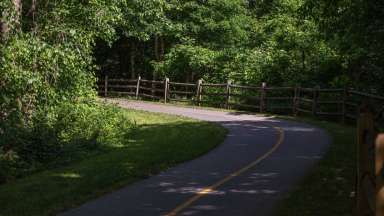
{"x":261,"y":159}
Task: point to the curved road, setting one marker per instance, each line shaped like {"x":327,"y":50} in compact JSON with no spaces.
{"x":261,"y":159}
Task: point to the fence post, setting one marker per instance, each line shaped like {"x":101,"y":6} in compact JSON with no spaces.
{"x":262,"y":97}
{"x":379,"y":162}
{"x":228,"y":92}
{"x":166,"y":85}
{"x":315,"y":100}
{"x":366,"y":173}
{"x":138,"y":87}
{"x":198,"y":91}
{"x":106,"y":86}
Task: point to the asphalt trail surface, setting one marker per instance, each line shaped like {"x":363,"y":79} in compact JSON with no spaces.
{"x":260,"y":161}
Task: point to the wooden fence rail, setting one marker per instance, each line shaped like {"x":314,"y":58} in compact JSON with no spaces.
{"x":335,"y":103}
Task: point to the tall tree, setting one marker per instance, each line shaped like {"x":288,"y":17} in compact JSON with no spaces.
{"x":356,"y":30}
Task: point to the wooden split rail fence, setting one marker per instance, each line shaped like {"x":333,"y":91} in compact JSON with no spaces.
{"x":337,"y":103}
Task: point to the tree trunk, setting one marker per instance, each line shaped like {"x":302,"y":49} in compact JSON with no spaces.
{"x":192,"y":76}
{"x":186,"y":76}
{"x":18,"y":6}
{"x":32,"y":13}
{"x":157,"y":56}
{"x":132,"y":59}
{"x":4,"y":28}
{"x":303,"y":60}
{"x":161,"y":54}
{"x":156,"y":48}
{"x":123,"y":47}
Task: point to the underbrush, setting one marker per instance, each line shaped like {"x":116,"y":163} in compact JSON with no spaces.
{"x":59,"y":135}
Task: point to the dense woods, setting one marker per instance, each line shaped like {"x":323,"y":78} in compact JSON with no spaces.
{"x":52,"y":52}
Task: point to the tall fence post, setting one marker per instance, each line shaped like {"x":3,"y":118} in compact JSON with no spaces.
{"x":228,"y":94}
{"x":315,"y":100}
{"x":166,"y":86}
{"x":198,"y":91}
{"x":262,"y":97}
{"x":366,"y":172}
{"x":106,"y":86}
{"x":379,"y":162}
{"x":138,"y":87}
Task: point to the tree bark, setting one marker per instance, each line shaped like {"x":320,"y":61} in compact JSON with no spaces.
{"x":193,"y":76}
{"x":18,"y":8}
{"x":303,"y":60}
{"x":187,"y":77}
{"x":132,"y":59}
{"x":123,"y":55}
{"x":157,"y":56}
{"x":162,"y":49}
{"x":3,"y":29}
{"x":156,"y":48}
{"x":32,"y":13}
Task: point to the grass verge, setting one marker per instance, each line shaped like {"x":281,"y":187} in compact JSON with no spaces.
{"x":327,"y":188}
{"x":158,"y":142}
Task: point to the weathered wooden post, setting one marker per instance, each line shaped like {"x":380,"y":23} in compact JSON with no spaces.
{"x":138,"y":87}
{"x":166,"y":87}
{"x":316,"y":91}
{"x":106,"y":86}
{"x":379,"y":175}
{"x":262,"y":97}
{"x":228,"y":94}
{"x":198,"y":91}
{"x":366,"y":172}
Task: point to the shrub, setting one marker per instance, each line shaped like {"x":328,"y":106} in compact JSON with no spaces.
{"x":63,"y":133}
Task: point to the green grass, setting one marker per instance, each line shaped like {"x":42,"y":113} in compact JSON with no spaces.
{"x":158,"y":142}
{"x":327,"y":188}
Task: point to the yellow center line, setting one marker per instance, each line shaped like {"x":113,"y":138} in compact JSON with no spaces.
{"x":211,"y":188}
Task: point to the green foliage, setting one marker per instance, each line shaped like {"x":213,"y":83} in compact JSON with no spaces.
{"x":144,"y":19}
{"x":61,"y":134}
{"x":262,"y":42}
{"x":37,"y":76}
{"x":291,"y":53}
{"x":355,"y":30}
{"x":47,"y":101}
{"x":216,"y":23}
{"x":185,"y":58}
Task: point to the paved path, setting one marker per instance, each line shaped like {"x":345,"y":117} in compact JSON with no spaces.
{"x":259,"y":162}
